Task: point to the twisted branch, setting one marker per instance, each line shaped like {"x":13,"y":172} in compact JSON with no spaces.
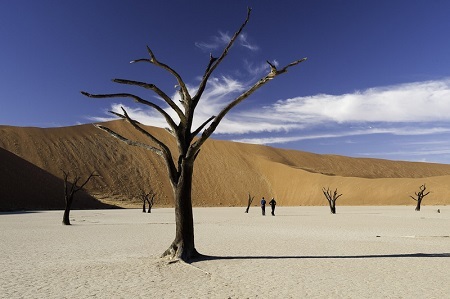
{"x":272,"y":74}
{"x":158,"y":91}
{"x":167,"y":117}
{"x":214,"y":62}
{"x":128,"y":141}
{"x":184,"y":91}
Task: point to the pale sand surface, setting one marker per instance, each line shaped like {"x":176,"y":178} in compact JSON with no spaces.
{"x":361,"y":252}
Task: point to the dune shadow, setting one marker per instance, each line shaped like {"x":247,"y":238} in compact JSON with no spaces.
{"x":282,"y":257}
{"x":25,"y":187}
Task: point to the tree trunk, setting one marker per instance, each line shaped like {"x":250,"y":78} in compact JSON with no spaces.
{"x":418,"y":205}
{"x":143,"y":207}
{"x":66,"y":220}
{"x":333,"y":207}
{"x":183,"y":246}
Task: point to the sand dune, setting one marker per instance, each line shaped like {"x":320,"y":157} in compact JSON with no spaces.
{"x":25,"y":186}
{"x":224,"y":173}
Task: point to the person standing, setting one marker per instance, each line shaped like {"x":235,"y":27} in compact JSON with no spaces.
{"x":263,"y":206}
{"x":272,"y":204}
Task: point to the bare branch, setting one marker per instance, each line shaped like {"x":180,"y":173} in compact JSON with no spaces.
{"x":239,"y":99}
{"x":158,"y":91}
{"x":128,"y":141}
{"x":93,"y":174}
{"x":273,"y":68}
{"x":214,"y":62}
{"x":121,"y":115}
{"x":74,"y":184}
{"x":153,"y":60}
{"x":413,"y":197}
{"x":285,"y":69}
{"x":166,"y":154}
{"x":202,"y":126}
{"x":134,"y":123}
{"x":167,"y":117}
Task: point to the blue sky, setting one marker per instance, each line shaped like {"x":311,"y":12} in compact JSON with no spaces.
{"x":376,"y":83}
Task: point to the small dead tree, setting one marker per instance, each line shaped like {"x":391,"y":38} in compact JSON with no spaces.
{"x":331,"y":198}
{"x":151,"y":201}
{"x":147,"y":197}
{"x":189,"y":139}
{"x":144,"y":198}
{"x":419,"y":196}
{"x":70,"y":188}
{"x":249,"y":202}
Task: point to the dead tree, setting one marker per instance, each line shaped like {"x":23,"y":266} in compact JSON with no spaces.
{"x":331,"y":198}
{"x":419,"y":196}
{"x":189,"y":139}
{"x":151,"y":201}
{"x":70,"y":188}
{"x":144,"y":197}
{"x":249,"y":202}
{"x":147,"y":197}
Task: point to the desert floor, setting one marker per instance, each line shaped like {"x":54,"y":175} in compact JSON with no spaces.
{"x":361,"y":252}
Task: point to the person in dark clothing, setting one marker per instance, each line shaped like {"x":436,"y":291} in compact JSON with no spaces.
{"x":263,"y":206}
{"x":272,"y":204}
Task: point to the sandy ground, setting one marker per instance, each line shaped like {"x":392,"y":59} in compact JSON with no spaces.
{"x":361,"y":252}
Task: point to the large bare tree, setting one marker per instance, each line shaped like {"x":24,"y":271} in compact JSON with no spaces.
{"x":181,"y":167}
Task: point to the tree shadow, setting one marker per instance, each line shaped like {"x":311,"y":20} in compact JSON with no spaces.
{"x":283,"y":257}
{"x":17,"y":212}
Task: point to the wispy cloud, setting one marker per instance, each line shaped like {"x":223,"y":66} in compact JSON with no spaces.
{"x":222,"y":39}
{"x":405,"y":111}
{"x":412,"y":102}
{"x":344,"y":132}
{"x":215,"y":42}
{"x":217,"y":94}
{"x":243,"y":41}
{"x":420,"y":108}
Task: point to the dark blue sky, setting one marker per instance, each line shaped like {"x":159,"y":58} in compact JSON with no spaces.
{"x":376,"y":82}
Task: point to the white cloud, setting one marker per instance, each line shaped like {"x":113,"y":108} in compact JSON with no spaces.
{"x":425,"y":152}
{"x":257,"y":70}
{"x":399,"y":131}
{"x":420,"y":108}
{"x":413,"y":102}
{"x":222,"y":39}
{"x":243,"y":41}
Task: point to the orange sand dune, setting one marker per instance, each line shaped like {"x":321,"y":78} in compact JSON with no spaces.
{"x":225,"y":172}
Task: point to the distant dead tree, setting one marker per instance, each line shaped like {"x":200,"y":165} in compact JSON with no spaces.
{"x":419,"y":196}
{"x":147,"y":197}
{"x":189,"y":139}
{"x":331,"y":198}
{"x":70,"y":188}
{"x":249,"y":202}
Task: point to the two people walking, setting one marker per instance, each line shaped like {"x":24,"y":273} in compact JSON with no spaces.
{"x":272,"y":204}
